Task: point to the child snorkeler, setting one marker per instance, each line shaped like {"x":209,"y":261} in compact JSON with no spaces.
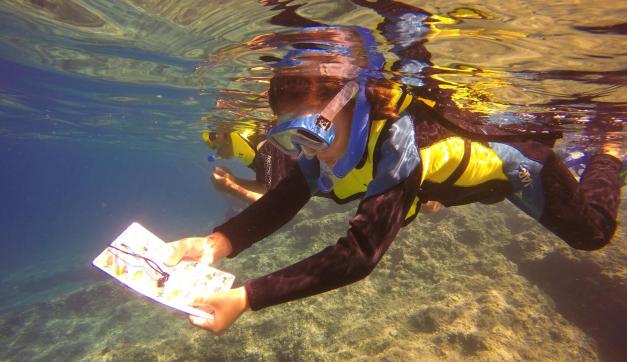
{"x":360,"y":136}
{"x":268,"y":163}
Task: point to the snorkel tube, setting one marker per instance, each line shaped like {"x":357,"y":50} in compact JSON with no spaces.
{"x":361,"y":116}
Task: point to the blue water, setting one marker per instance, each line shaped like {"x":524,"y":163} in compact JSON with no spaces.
{"x":68,"y":189}
{"x":66,"y":200}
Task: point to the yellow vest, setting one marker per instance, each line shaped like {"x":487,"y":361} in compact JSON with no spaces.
{"x":242,"y":148}
{"x":356,"y":182}
{"x":438,"y":160}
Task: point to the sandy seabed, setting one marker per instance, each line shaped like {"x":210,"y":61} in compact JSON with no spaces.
{"x":472,"y":283}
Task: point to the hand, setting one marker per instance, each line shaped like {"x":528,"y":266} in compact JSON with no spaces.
{"x":226,"y":307}
{"x":207,"y":249}
{"x":430,"y":207}
{"x":222,"y":177}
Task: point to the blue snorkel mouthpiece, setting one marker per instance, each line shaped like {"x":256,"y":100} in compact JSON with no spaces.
{"x":325,"y":181}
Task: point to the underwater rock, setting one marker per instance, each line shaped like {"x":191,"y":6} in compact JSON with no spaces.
{"x":430,"y":319}
{"x":470,"y":237}
{"x":470,"y":343}
{"x":133,"y":354}
{"x":433,"y":296}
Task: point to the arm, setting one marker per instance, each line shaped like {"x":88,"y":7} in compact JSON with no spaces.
{"x":251,"y":185}
{"x":246,"y":194}
{"x":267,"y":214}
{"x":355,"y":255}
{"x":260,"y":219}
{"x":246,"y":190}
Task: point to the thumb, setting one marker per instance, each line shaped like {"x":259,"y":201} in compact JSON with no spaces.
{"x":208,"y":324}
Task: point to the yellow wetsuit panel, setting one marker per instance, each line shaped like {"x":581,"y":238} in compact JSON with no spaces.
{"x":242,"y":148}
{"x":441,"y":158}
{"x":357,"y":180}
{"x":484,"y":165}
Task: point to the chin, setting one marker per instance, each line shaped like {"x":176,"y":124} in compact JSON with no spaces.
{"x":330,"y":163}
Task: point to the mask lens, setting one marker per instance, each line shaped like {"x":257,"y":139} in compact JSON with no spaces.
{"x":309,"y":140}
{"x":283,"y":140}
{"x":291,"y":141}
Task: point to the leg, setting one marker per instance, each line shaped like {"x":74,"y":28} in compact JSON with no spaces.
{"x":583,"y":214}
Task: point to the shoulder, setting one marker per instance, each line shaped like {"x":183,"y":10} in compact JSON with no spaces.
{"x":397,"y":155}
{"x":401,"y":131}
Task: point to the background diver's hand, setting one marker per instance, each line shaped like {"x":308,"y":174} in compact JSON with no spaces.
{"x":207,"y":249}
{"x":222,"y":178}
{"x":226,"y":307}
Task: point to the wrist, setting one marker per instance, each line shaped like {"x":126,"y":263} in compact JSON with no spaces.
{"x":243,"y":298}
{"x":221,"y":244}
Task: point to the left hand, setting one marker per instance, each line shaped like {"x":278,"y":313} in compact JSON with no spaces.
{"x":226,"y":307}
{"x":208,"y":250}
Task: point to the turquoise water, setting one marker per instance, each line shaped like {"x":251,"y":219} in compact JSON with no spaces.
{"x":101,"y":111}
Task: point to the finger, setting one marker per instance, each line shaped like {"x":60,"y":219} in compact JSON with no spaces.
{"x":206,"y":258}
{"x":197,"y":301}
{"x":177,"y":254}
{"x":203,"y":323}
{"x":162,"y":253}
{"x":208,"y":324}
{"x":219,"y":171}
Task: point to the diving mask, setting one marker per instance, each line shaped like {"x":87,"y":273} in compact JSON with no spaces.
{"x":313,"y":131}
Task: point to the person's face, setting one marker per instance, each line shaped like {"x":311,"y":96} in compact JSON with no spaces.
{"x":223,"y":143}
{"x":341,"y":124}
{"x":337,"y":149}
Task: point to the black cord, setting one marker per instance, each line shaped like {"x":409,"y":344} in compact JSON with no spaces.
{"x":154,"y":266}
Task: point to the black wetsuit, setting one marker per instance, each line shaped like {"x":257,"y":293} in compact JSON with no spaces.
{"x":583,"y":214}
{"x":270,"y":165}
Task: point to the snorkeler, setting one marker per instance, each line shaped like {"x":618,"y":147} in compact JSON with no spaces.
{"x":360,"y":136}
{"x":268,"y":163}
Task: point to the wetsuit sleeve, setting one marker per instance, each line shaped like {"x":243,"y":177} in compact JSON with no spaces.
{"x":352,"y":258}
{"x":268,"y":214}
{"x":275,"y":165}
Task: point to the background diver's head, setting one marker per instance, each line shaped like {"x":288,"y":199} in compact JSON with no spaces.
{"x":238,"y":144}
{"x":220,"y":142}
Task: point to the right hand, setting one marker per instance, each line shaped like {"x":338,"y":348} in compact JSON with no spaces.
{"x":222,"y":177}
{"x":206,"y":250}
{"x":226,"y":306}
